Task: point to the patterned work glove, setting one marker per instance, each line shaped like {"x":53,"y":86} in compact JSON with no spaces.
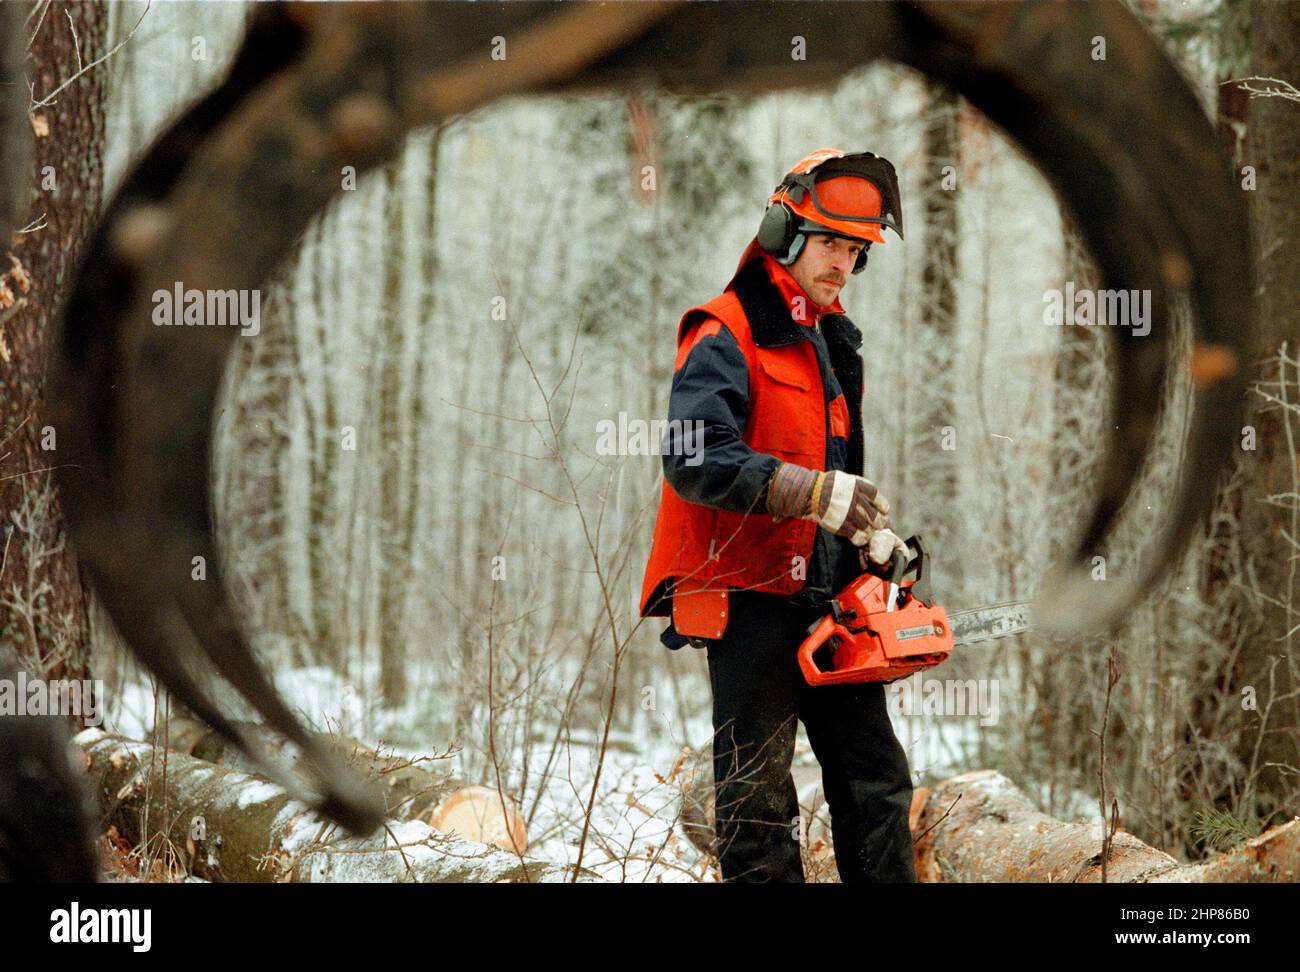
{"x":880,"y":548}
{"x":846,"y":505}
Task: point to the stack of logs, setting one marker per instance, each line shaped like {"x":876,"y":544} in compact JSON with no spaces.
{"x":228,"y":824}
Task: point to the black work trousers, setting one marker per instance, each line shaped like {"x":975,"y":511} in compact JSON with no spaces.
{"x":758,"y":692}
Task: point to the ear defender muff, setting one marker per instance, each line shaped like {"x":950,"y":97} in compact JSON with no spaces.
{"x":777,"y":231}
{"x":862,"y":257}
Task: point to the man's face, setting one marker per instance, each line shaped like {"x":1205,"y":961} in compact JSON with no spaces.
{"x":824,"y":265}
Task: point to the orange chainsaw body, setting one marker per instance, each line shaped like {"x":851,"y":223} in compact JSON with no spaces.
{"x":862,"y":640}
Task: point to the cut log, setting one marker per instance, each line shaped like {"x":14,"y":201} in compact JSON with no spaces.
{"x":692,"y":774}
{"x":412,"y":791}
{"x":980,"y":827}
{"x":232,"y":826}
{"x":481,"y":814}
{"x":985,"y":829}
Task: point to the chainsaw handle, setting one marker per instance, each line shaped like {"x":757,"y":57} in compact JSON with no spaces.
{"x":900,"y":565}
{"x":818,"y":635}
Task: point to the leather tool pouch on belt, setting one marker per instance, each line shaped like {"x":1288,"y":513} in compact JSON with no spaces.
{"x":700,"y":614}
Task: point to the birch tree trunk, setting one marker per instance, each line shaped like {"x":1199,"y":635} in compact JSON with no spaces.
{"x":427,"y":348}
{"x":942,"y":431}
{"x":323,"y":571}
{"x":1063,"y":716}
{"x":394,"y":564}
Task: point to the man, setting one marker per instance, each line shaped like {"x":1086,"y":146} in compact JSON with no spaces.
{"x":766,"y":519}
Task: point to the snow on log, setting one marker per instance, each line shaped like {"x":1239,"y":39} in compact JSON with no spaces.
{"x":411,"y":790}
{"x":232,"y":826}
{"x":992,"y":832}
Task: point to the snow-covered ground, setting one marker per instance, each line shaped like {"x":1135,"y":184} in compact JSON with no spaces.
{"x":632,"y":834}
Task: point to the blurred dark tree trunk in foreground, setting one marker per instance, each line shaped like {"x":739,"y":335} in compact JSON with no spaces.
{"x":42,"y":595}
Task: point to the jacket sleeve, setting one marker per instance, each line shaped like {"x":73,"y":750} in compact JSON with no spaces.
{"x":704,"y":457}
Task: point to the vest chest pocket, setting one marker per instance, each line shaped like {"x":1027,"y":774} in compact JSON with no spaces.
{"x":785,"y":371}
{"x":787,"y":421}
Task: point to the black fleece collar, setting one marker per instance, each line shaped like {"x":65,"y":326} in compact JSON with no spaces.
{"x":769,"y":317}
{"x":772,"y":326}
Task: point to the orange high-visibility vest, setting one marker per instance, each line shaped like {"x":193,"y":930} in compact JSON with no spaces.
{"x":698,"y":552}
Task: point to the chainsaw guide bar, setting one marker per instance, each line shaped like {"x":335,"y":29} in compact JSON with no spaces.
{"x":884,"y":626}
{"x":988,"y":623}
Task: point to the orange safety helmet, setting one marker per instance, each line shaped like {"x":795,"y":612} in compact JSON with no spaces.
{"x":830,"y":191}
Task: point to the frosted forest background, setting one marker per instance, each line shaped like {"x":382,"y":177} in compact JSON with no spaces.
{"x":433,"y":553}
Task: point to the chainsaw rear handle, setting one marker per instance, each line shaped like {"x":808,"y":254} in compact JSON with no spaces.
{"x":822,"y":632}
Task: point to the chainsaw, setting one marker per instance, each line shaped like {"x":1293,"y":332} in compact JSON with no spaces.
{"x":885,"y":625}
